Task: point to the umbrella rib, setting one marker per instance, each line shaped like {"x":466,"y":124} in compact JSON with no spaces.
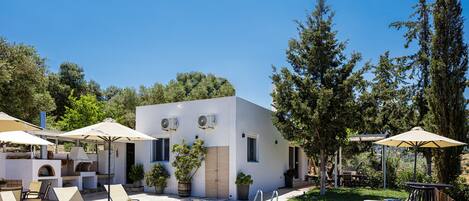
{"x":436,"y":144}
{"x":400,"y":144}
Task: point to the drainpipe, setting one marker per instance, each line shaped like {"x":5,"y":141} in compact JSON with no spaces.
{"x":43,"y":154}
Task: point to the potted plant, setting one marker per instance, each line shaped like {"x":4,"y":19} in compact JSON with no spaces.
{"x":187,"y":161}
{"x":243,"y":181}
{"x":289,"y":175}
{"x":157,"y":177}
{"x":136,"y":174}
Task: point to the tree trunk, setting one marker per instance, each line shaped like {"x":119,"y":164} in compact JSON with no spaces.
{"x":323,"y":172}
{"x":428,"y":157}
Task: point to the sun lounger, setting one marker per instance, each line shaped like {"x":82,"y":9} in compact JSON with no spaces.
{"x":118,"y":193}
{"x":68,"y":194}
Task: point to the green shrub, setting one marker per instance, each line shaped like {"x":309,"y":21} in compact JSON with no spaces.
{"x":392,"y":165}
{"x":243,"y":179}
{"x":460,"y":190}
{"x":407,"y":175}
{"x":136,"y":173}
{"x":157,"y":176}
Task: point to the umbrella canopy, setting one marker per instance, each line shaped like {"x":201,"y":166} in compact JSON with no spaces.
{"x":417,"y":138}
{"x":21,"y":137}
{"x":420,"y":138}
{"x":9,"y":123}
{"x":108,"y":131}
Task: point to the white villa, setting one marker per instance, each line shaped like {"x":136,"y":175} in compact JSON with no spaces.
{"x":238,"y":134}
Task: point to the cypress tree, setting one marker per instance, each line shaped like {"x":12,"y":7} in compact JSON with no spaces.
{"x":446,"y":93}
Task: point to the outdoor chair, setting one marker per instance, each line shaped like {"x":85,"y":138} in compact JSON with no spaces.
{"x":68,"y":194}
{"x":43,"y":194}
{"x":118,"y":193}
{"x":34,"y":191}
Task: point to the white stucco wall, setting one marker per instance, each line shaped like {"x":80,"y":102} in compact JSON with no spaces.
{"x":256,"y":121}
{"x":148,"y":120}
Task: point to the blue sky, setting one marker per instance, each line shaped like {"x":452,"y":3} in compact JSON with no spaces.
{"x":133,"y":43}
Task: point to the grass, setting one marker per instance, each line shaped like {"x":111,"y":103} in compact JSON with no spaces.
{"x":352,"y":194}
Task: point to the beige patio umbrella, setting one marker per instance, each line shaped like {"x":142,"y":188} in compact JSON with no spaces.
{"x":416,"y":138}
{"x":108,"y":131}
{"x":9,"y":123}
{"x":21,"y":137}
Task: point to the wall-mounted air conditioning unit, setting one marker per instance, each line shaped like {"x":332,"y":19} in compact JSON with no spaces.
{"x":206,"y":121}
{"x":169,"y":124}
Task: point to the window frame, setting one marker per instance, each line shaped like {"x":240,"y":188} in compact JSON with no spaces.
{"x":256,"y":149}
{"x":163,"y":151}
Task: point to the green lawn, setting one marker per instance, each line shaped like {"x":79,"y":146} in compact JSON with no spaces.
{"x":352,"y":194}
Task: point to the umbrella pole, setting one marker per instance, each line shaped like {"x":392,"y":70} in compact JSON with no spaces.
{"x":109,"y":171}
{"x":415,"y":163}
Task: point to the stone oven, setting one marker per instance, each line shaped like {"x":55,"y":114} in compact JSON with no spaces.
{"x":46,"y":171}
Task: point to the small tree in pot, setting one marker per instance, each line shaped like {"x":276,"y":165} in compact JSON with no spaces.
{"x":243,"y":181}
{"x":187,"y":161}
{"x":157,"y":177}
{"x":136,"y":174}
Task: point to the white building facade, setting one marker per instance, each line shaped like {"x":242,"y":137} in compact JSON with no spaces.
{"x":241,"y":139}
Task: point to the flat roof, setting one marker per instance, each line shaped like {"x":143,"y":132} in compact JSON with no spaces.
{"x":367,"y":137}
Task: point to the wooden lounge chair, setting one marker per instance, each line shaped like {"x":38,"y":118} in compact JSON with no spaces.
{"x":118,"y":193}
{"x":68,"y":194}
{"x":34,"y":191}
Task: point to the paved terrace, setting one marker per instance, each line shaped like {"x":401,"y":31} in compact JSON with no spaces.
{"x":284,"y":194}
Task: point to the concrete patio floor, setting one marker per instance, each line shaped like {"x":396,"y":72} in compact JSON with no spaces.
{"x":284,"y":194}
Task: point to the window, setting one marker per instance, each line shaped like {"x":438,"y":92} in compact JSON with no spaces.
{"x":252,"y":149}
{"x":160,"y":149}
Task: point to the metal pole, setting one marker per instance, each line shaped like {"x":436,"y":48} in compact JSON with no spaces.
{"x":384,"y":166}
{"x":109,"y":171}
{"x":415,"y":163}
{"x":42,"y":117}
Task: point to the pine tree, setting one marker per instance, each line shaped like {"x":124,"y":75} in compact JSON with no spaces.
{"x":313,"y":101}
{"x":446,"y":93}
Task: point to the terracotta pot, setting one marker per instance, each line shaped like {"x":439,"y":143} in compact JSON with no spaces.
{"x":243,"y":192}
{"x":184,"y":189}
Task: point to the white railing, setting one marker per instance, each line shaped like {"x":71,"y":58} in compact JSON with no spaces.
{"x":274,"y":195}
{"x":257,"y":193}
